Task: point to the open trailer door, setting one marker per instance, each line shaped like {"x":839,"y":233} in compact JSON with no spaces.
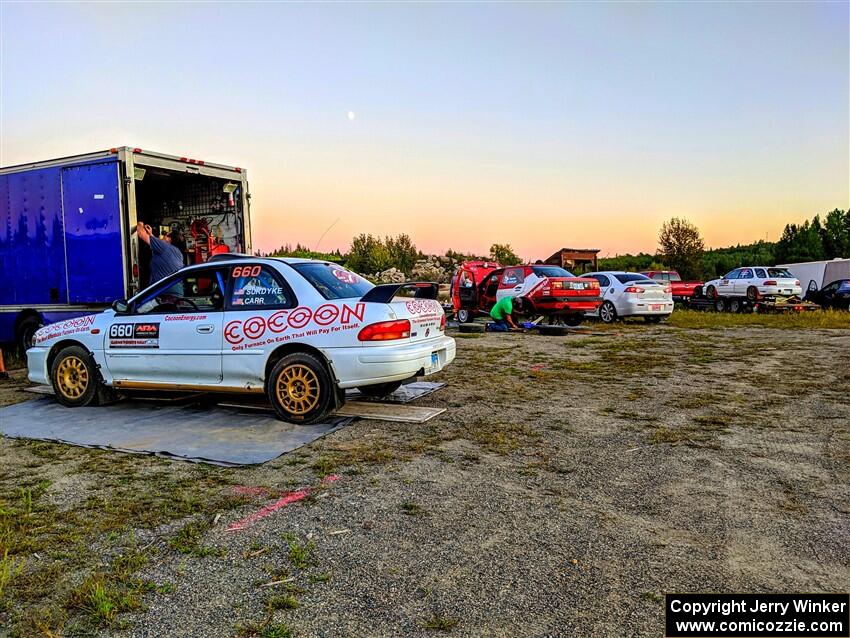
{"x":205,"y":204}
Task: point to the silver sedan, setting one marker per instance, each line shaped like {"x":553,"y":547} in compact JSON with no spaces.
{"x":628,"y":294}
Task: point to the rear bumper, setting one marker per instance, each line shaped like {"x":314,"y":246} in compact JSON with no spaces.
{"x":637,"y":307}
{"x":37,"y":365}
{"x":780,"y":291}
{"x":366,"y":365}
{"x":560,"y":305}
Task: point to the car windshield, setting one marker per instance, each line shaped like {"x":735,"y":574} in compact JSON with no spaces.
{"x":551,"y":271}
{"x":333,"y":281}
{"x":779,"y":272}
{"x":629,"y":276}
{"x":674,"y":276}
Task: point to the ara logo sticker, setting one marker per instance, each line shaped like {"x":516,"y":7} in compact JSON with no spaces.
{"x":134,"y":335}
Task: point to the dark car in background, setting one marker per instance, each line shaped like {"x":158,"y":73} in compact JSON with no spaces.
{"x":834,"y":295}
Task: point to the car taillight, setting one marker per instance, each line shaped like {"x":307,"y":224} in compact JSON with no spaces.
{"x":557,"y":285}
{"x":770,"y":282}
{"x":797,"y":283}
{"x":443,"y":323}
{"x":668,"y":289}
{"x":386,"y":331}
{"x":593,"y":284}
{"x":633,"y":289}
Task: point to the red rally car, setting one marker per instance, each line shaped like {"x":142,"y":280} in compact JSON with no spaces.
{"x":550,"y":290}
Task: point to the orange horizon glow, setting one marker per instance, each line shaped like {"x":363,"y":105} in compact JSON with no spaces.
{"x":451,"y":123}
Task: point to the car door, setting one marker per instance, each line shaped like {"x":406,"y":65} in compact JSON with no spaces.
{"x":466,"y":289}
{"x":746,"y":278}
{"x":172,"y":334}
{"x":726,"y":286}
{"x":489,"y":289}
{"x":511,"y":283}
{"x":826,"y":296}
{"x":255,"y":320}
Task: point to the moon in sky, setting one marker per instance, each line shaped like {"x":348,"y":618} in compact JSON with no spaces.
{"x":351,"y":115}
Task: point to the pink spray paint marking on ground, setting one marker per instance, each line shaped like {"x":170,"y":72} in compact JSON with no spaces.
{"x":286,"y":499}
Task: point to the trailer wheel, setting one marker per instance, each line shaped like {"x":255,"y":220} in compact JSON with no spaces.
{"x":75,"y":378}
{"x":300,"y":389}
{"x":573,"y":319}
{"x":720,"y":304}
{"x":734,"y":305}
{"x":463,"y":315}
{"x":25,"y":333}
{"x":752,"y":294}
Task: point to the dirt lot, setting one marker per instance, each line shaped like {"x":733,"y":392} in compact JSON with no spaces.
{"x":572,"y":481}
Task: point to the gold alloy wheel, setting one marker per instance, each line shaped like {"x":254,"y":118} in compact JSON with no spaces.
{"x":298,"y":389}
{"x":72,"y":377}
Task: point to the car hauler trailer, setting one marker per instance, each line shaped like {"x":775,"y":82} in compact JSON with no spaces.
{"x":68,"y":244}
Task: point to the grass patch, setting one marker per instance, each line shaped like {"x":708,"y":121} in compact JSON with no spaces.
{"x":816,"y":319}
{"x":281,"y":601}
{"x":500,"y":437}
{"x":411,"y":509}
{"x":300,"y":554}
{"x":438,"y":622}
{"x":188,"y":540}
{"x":66,"y":589}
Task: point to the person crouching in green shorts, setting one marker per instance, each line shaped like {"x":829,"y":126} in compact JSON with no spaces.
{"x":502,"y":314}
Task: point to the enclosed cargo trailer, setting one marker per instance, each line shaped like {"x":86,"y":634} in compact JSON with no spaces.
{"x":67,"y":241}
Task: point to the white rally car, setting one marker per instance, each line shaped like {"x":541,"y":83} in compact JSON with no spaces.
{"x":754,"y":282}
{"x":298,"y":330}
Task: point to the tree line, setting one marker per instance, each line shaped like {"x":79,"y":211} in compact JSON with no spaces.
{"x":371,"y":255}
{"x":680,"y":247}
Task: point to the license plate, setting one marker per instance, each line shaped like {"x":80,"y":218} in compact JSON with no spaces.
{"x":655,"y":306}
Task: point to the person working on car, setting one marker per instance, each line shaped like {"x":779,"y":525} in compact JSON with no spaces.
{"x":502,"y":314}
{"x":166,"y":259}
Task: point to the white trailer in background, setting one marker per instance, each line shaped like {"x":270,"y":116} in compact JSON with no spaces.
{"x":814,"y":275}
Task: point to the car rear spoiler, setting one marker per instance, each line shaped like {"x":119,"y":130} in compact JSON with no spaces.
{"x":385,"y":292}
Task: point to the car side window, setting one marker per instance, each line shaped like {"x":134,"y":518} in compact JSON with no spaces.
{"x":733,"y":274}
{"x":257,"y":287}
{"x":513,"y":277}
{"x":660,"y":276}
{"x":195,"y":291}
{"x":829,"y":287}
{"x":604,"y":282}
{"x":745,"y":273}
{"x":760,"y":273}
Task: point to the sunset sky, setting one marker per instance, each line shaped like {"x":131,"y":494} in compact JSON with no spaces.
{"x":538,"y":125}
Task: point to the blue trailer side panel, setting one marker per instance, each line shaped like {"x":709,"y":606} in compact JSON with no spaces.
{"x":93,"y":233}
{"x":32,"y":246}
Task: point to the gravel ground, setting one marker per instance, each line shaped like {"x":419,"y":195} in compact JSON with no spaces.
{"x":572,"y":482}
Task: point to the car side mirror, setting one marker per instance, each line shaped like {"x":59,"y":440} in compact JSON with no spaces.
{"x":120,"y":306}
